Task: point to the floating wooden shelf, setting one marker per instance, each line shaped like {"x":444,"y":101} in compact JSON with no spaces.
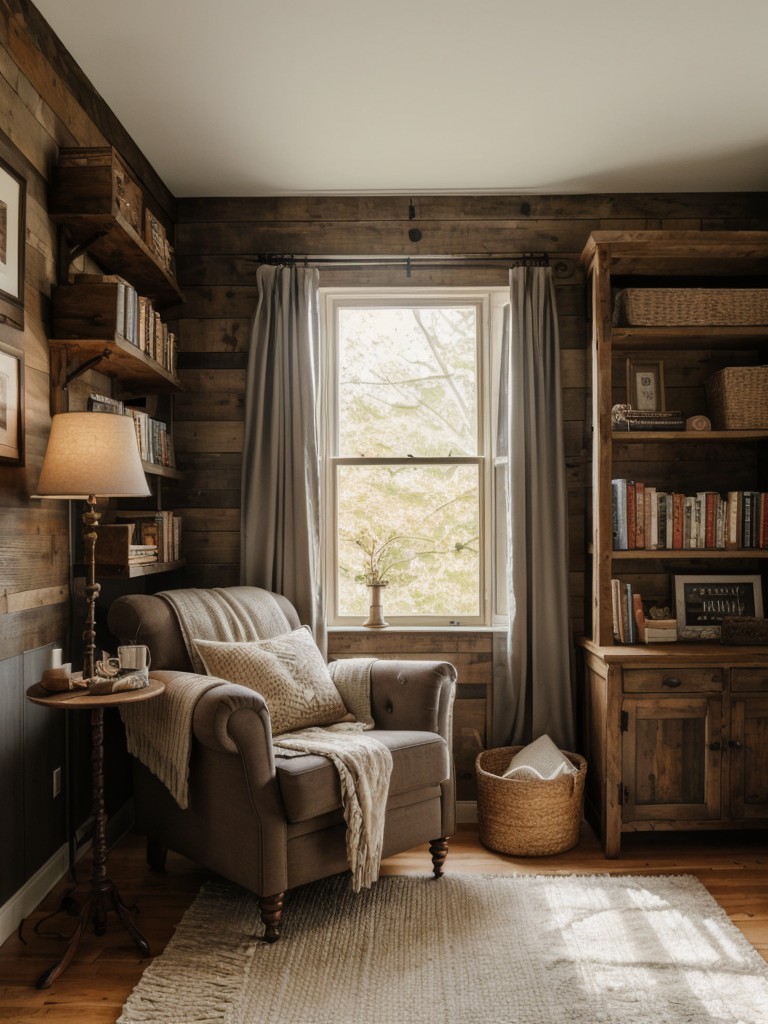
{"x":125,"y":572}
{"x":121,"y":359}
{"x":114,"y":244}
{"x":167,"y":472}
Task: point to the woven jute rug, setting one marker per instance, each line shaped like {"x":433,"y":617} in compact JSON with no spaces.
{"x":467,"y":949}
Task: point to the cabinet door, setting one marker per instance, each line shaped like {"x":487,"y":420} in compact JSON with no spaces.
{"x":748,"y":755}
{"x":671,"y":759}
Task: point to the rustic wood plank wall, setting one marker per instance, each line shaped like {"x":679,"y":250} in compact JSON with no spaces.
{"x":219,"y":242}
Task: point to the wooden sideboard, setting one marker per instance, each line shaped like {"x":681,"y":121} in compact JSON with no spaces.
{"x":675,"y":738}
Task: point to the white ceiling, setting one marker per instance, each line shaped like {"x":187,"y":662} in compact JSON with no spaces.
{"x":257,"y":98}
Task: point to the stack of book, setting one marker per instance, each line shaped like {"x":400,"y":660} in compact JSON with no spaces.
{"x":630,"y":626}
{"x":162,"y":529}
{"x":115,"y":547}
{"x":644,"y":518}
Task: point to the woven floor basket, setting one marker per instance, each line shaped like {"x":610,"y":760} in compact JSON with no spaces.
{"x":528,"y":817}
{"x":670,"y":307}
{"x":737,"y":398}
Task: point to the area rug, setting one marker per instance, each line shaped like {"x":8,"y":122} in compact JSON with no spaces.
{"x":467,"y":949}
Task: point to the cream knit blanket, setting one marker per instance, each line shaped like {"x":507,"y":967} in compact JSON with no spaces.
{"x":159,"y":732}
{"x":225,"y":613}
{"x":364,"y":765}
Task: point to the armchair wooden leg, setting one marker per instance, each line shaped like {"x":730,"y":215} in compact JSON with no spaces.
{"x":156,"y":854}
{"x":439,"y":850}
{"x":271,"y":909}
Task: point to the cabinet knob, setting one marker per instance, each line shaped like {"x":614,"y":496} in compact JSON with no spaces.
{"x":734,"y":744}
{"x":717,"y":745}
{"x":671,"y":681}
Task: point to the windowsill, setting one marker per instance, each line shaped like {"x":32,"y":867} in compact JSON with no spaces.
{"x":417,"y":629}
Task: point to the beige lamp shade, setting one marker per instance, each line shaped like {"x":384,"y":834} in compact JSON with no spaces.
{"x":92,"y":454}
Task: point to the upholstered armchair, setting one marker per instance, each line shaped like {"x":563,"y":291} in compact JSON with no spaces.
{"x":273,"y":823}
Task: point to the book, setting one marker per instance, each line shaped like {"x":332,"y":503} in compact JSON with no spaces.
{"x":616,"y":610}
{"x":619,"y":495}
{"x":104,"y":403}
{"x":733,"y":520}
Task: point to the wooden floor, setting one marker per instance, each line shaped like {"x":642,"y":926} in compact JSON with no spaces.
{"x":733,"y":867}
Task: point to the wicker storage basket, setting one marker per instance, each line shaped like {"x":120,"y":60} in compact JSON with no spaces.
{"x":670,"y":307}
{"x":528,"y":817}
{"x":738,"y":398}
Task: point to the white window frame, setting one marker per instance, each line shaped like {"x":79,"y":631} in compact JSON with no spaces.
{"x":490,"y":301}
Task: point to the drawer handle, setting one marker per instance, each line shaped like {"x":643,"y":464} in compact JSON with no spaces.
{"x":716,"y":745}
{"x":671,"y":681}
{"x":734,"y":744}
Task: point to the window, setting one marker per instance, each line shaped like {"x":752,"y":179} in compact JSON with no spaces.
{"x":410,"y":473}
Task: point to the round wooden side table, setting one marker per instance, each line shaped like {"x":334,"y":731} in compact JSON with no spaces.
{"x":103,"y":895}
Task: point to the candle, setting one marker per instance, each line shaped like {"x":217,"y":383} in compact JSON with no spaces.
{"x":56,"y":658}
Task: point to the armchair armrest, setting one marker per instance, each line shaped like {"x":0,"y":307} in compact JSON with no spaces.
{"x":229,"y":715}
{"x":413,"y":695}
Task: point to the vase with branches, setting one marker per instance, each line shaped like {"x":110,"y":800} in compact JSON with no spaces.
{"x":386,"y":561}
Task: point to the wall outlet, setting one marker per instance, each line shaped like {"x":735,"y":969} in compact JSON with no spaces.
{"x":56,"y":782}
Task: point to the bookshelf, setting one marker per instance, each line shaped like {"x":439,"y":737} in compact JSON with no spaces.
{"x":111,"y":321}
{"x":101,"y":210}
{"x":672,"y":730}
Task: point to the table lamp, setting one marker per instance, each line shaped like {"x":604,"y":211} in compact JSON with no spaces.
{"x":92,"y":455}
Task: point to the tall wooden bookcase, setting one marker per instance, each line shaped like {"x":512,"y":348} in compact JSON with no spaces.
{"x":673,"y":732}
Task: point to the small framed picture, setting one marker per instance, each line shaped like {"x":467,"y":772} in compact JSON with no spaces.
{"x":12,"y":242}
{"x":645,"y":385}
{"x":702,"y":602}
{"x":11,"y":406}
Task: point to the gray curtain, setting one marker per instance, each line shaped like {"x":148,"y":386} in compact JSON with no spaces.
{"x":533,"y":662}
{"x":281,"y":498}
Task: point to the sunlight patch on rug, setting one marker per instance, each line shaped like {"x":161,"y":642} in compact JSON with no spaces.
{"x":467,"y":949}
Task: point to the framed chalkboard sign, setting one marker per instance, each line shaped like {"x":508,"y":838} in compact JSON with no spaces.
{"x":702,"y":602}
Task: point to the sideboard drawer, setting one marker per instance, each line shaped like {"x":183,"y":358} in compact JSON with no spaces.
{"x":674,"y":680}
{"x":749,"y":680}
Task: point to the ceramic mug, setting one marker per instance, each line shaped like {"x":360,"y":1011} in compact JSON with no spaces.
{"x":134,"y":657}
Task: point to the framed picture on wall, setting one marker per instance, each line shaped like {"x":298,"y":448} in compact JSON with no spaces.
{"x":645,"y":385}
{"x":11,"y":406}
{"x":12,"y":239}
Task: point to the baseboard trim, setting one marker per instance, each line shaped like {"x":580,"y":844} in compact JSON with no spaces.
{"x":34,"y":890}
{"x":466,"y":812}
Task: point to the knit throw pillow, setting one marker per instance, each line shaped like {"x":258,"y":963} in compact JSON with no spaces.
{"x":287,"y":670}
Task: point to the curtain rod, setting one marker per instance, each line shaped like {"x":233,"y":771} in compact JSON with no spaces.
{"x":469,"y":259}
